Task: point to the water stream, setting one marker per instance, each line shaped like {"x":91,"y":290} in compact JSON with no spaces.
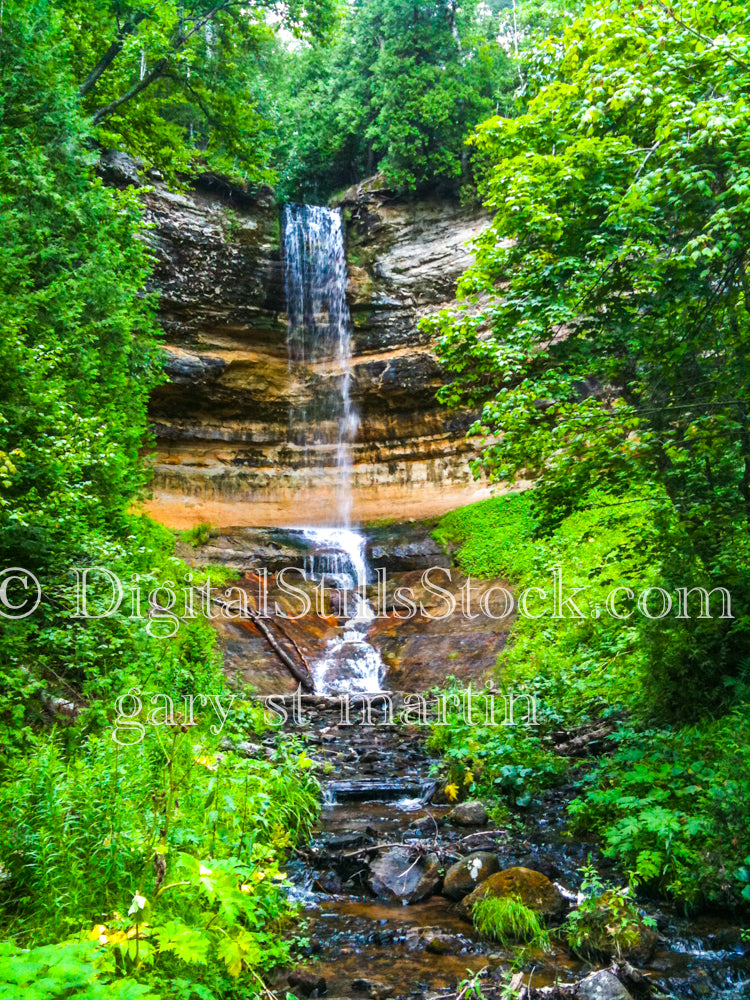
{"x":323,"y":425}
{"x":377,"y":786}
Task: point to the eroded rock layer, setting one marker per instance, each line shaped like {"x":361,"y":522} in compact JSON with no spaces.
{"x":226,"y":452}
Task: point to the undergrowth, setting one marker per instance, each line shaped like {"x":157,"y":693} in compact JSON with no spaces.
{"x":509,"y":921}
{"x":670,"y":802}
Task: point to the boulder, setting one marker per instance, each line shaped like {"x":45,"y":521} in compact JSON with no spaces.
{"x":468,"y":814}
{"x":396,"y":875}
{"x":611,"y":927}
{"x":602,"y":986}
{"x":307,"y":983}
{"x":463,"y":877}
{"x":430,"y":880}
{"x":532,"y":888}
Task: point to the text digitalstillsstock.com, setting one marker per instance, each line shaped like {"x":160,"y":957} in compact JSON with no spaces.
{"x":97,"y":593}
{"x":488,"y":706}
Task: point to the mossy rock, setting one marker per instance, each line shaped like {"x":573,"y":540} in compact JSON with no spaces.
{"x":532,"y":888}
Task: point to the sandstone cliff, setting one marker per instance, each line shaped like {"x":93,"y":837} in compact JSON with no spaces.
{"x":224,"y":450}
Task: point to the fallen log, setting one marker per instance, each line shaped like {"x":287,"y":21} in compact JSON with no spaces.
{"x":302,"y":675}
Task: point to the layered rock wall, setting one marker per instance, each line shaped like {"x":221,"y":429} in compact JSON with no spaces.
{"x":225,"y":450}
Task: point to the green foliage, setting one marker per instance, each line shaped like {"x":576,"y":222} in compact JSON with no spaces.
{"x":78,"y":831}
{"x":577,"y":665}
{"x":169,"y":850}
{"x":180,"y":86}
{"x":397,"y":92}
{"x":620,"y":217}
{"x":607,"y":923}
{"x":671,"y":806}
{"x":198,"y":535}
{"x":508,"y":921}
{"x":482,"y":758}
{"x":77,"y":336}
{"x":183,"y":841}
{"x":493,"y":536}
{"x":52,"y":972}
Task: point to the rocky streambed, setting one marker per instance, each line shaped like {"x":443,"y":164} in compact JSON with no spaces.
{"x":383,"y":887}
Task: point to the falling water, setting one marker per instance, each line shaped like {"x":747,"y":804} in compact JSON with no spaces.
{"x":319,"y":336}
{"x":325,"y":421}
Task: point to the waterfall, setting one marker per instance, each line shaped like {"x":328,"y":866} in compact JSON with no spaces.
{"x":323,"y":424}
{"x":319,"y":338}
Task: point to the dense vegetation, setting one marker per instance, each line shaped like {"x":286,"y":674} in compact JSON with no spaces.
{"x":156,"y":863}
{"x":614,"y":353}
{"x":397,"y":91}
{"x":670,"y":801}
{"x":609,"y":350}
{"x":610,"y":357}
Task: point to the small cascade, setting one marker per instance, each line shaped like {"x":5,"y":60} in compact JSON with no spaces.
{"x":323,"y":425}
{"x":348,"y":664}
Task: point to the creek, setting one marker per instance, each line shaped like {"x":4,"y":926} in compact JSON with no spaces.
{"x":373,"y":917}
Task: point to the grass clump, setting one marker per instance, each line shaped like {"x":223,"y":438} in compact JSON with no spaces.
{"x":509,"y":921}
{"x":197,"y":535}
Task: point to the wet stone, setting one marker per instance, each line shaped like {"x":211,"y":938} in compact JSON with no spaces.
{"x":441,"y":943}
{"x":395,"y":874}
{"x":468,"y":814}
{"x":532,"y":888}
{"x":427,"y":826}
{"x":371,"y":988}
{"x":430,"y":881}
{"x":309,"y":984}
{"x":463,"y":877}
{"x":602,"y":986}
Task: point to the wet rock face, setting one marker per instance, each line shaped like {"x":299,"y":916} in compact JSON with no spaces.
{"x":224,"y":451}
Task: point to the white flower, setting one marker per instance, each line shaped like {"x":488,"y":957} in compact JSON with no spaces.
{"x":138,"y":904}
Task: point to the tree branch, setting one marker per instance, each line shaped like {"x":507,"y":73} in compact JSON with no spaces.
{"x":111,"y":54}
{"x":136,"y":89}
{"x":161,"y":65}
{"x":711,"y":42}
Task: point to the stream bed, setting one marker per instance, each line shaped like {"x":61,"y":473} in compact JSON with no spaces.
{"x":362,"y":940}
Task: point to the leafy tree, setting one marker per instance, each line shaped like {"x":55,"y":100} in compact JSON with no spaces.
{"x":615,"y":347}
{"x":397,"y":92}
{"x":174,"y":82}
{"x":77,"y":337}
